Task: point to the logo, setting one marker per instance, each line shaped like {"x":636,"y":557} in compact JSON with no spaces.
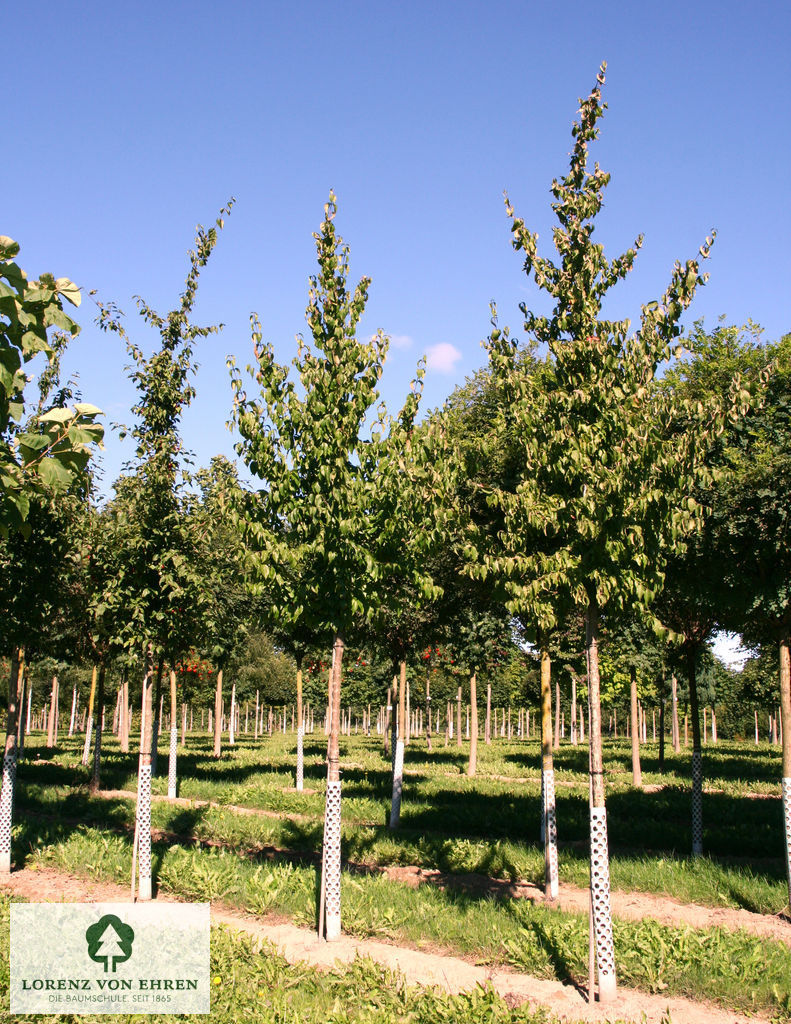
{"x":109,"y":942}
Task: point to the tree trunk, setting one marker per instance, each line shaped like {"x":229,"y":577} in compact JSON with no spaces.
{"x":157,"y":709}
{"x":386,"y":728}
{"x":674,"y":708}
{"x":662,"y":699}
{"x":143,"y":815}
{"x":697,"y":758}
{"x":473,"y":762}
{"x":123,"y":728}
{"x":73,"y":709}
{"x":53,"y":704}
{"x":487,"y":729}
{"x":330,"y":910}
{"x":637,"y":775}
{"x":300,"y":785}
{"x":10,"y":760}
{"x":394,"y":726}
{"x":548,"y":814}
{"x":599,"y":853}
{"x":218,"y":716}
{"x":785,"y":713}
{"x":557,"y":715}
{"x":428,"y":706}
{"x":89,"y":720}
{"x":458,"y":717}
{"x":97,"y":743}
{"x":398,"y":764}
{"x":174,"y":738}
{"x":574,"y":735}
{"x":232,"y":716}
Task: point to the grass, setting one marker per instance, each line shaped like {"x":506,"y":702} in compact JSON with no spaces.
{"x":250,"y":980}
{"x":458,"y":825}
{"x":735,"y":970}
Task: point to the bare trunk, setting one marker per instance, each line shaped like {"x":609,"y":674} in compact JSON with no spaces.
{"x":599,"y":852}
{"x":428,"y":707}
{"x":398,"y":763}
{"x":663,"y":698}
{"x":388,"y":715}
{"x":473,"y":762}
{"x":487,"y":736}
{"x":157,"y":709}
{"x":89,"y":721}
{"x":217,"y":750}
{"x":123,"y":728}
{"x":637,"y":775}
{"x":300,"y":785}
{"x":674,"y":723}
{"x":574,"y":734}
{"x":53,"y":713}
{"x":97,"y":743}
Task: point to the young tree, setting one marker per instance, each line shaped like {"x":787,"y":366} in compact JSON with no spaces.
{"x":603,"y":489}
{"x":319,"y":520}
{"x":158,"y":582}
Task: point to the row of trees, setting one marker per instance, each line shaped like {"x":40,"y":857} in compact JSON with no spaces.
{"x":575,"y":489}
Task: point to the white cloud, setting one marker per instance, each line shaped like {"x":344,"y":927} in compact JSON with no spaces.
{"x":442,"y":357}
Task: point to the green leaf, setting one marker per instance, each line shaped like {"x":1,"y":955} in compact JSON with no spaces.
{"x":54,"y":474}
{"x":57,"y":415}
{"x":68,"y":290}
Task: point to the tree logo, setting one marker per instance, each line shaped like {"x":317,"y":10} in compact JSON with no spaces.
{"x":110,"y":941}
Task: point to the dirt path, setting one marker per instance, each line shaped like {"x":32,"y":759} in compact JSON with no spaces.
{"x":450,"y":973}
{"x":630,"y":905}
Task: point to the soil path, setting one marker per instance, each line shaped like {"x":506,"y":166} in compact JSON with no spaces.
{"x":630,"y":905}
{"x":450,"y":973}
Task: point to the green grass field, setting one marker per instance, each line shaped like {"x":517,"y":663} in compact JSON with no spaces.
{"x":489,"y":825}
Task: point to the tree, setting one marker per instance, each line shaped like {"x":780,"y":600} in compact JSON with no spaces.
{"x":318,"y":519}
{"x":158,"y":583}
{"x":751,"y":519}
{"x":221,"y":566}
{"x":602,"y":491}
{"x":700,"y":595}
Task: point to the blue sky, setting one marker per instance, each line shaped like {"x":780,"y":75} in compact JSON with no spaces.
{"x":126,"y":125}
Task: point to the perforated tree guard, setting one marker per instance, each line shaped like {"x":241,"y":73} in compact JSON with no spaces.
{"x":300,"y":758}
{"x":697,"y":805}
{"x":144,"y":833}
{"x":174,"y":739}
{"x":7,"y":810}
{"x":550,"y":829}
{"x":786,"y":789}
{"x":600,"y":898}
{"x":332,"y":862}
{"x":398,"y":785}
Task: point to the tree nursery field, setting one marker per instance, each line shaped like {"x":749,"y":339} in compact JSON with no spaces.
{"x":462,"y":875}
{"x":436,"y":689}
